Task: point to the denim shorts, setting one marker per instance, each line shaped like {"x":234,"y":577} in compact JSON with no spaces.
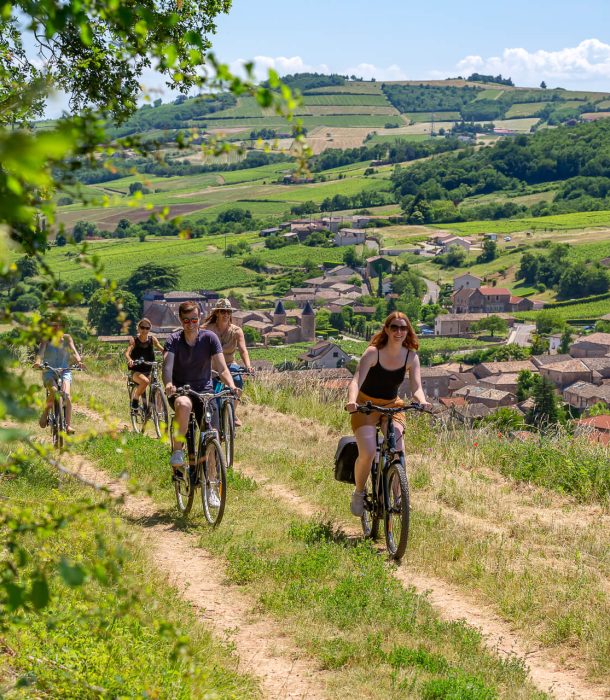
{"x":48,"y":377}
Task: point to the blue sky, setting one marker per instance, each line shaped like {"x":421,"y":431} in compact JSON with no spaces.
{"x":564,"y":43}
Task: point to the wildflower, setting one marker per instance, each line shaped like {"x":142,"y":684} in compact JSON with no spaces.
{"x":476,"y":444}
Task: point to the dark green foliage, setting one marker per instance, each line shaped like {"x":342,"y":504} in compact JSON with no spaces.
{"x":157,"y":276}
{"x":495,"y":79}
{"x":25,"y":302}
{"x":490,"y":251}
{"x":428,"y":98}
{"x":112,"y":316}
{"x":545,"y":412}
{"x":310,"y":81}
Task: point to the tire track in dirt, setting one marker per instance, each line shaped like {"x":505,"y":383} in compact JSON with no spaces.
{"x":263,"y":649}
{"x":452,"y":605}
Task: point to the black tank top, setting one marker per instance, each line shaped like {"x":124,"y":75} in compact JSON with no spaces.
{"x":382,"y":383}
{"x":143,"y":351}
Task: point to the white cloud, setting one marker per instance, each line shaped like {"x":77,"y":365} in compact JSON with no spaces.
{"x":295,"y":64}
{"x":590,"y":60}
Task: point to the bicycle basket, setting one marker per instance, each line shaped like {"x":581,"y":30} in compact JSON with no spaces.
{"x":345,"y":459}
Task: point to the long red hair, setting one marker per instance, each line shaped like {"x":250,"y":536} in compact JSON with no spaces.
{"x":380,"y":339}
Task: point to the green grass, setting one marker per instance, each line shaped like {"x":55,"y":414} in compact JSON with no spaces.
{"x":351,"y":88}
{"x":391,"y":138}
{"x":527,"y":109}
{"x":361,"y":100}
{"x":338,"y":600}
{"x":437,"y":116}
{"x":560,"y":222}
{"x":91,"y":635}
{"x":347,"y":120}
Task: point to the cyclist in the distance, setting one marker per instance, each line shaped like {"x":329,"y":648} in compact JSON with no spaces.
{"x":381,"y":370}
{"x":58,"y":353}
{"x":231,"y":336}
{"x":190,"y":355}
{"x":141,"y":347}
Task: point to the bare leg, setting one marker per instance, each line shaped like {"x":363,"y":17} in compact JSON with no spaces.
{"x":142,"y":382}
{"x":365,"y":437}
{"x":182,"y":409}
{"x":66,"y":387}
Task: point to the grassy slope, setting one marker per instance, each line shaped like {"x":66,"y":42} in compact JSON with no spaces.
{"x":84,"y":638}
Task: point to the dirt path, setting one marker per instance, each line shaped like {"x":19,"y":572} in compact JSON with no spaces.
{"x":262,"y":647}
{"x":452,"y":605}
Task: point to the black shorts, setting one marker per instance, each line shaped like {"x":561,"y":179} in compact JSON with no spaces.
{"x":198,"y":410}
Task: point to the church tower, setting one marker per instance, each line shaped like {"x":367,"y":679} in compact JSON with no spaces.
{"x":308,"y":323}
{"x":279,"y":315}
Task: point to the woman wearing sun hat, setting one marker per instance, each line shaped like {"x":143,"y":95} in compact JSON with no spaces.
{"x":231,"y":336}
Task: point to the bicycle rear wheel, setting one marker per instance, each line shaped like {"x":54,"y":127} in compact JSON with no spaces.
{"x":58,"y":422}
{"x":214,"y":482}
{"x":185,"y":485}
{"x":159,"y":408}
{"x":227,"y":424}
{"x":370,"y":517}
{"x":396,"y":518}
{"x":138,"y":415}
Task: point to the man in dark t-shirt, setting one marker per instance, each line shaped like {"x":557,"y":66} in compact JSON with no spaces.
{"x":189,"y":357}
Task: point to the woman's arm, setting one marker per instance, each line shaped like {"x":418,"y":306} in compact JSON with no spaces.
{"x":242,"y":349}
{"x":362,"y":369}
{"x":156,"y":344}
{"x":415,"y":379}
{"x":131,"y":346}
{"x":78,"y":359}
{"x":40,"y":354}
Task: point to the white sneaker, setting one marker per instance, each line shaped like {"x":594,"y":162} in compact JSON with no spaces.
{"x":357,"y":503}
{"x":177,"y":458}
{"x":213,"y":499}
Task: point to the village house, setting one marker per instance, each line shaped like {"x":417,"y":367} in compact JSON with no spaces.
{"x":439,"y":238}
{"x":349,"y":236}
{"x":544,"y":360}
{"x":502,"y":382}
{"x":324,"y":355}
{"x":489,"y":369}
{"x":464,"y":243}
{"x":492,"y":398}
{"x":271,"y":231}
{"x":332,"y":223}
{"x":600,"y":368}
{"x":594,"y":345}
{"x":435,"y":382}
{"x":292,"y":326}
{"x":488,"y":300}
{"x":376,"y":264}
{"x":467,"y":280}
{"x":595,"y":428}
{"x":583,"y":395}
{"x":458,"y":324}
{"x":562,"y":374}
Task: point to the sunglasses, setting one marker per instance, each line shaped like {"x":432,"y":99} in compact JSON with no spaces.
{"x":144,"y":328}
{"x":224,"y":311}
{"x":190,"y":320}
{"x":397,"y":329}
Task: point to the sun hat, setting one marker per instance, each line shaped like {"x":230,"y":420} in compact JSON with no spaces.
{"x":224,"y":305}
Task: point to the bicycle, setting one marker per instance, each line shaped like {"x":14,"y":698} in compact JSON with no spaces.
{"x":226,"y":411}
{"x":56,"y":417}
{"x":157,"y":406}
{"x":206,"y":466}
{"x":387,"y":488}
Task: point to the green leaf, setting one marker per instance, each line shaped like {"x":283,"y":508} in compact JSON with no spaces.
{"x":14,"y":595}
{"x":72,"y":574}
{"x":39,"y":595}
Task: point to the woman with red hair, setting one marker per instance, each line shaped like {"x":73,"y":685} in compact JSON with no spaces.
{"x":379,"y":374}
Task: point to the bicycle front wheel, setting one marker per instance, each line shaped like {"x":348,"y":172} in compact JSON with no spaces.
{"x":396,"y":518}
{"x":370,"y":517}
{"x":185,"y":479}
{"x":214,"y":482}
{"x":58,"y":422}
{"x":137,"y":415}
{"x":227,"y":424}
{"x":159,"y":408}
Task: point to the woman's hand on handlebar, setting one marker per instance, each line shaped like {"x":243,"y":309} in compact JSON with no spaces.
{"x":351,"y":407}
{"x":170,"y":389}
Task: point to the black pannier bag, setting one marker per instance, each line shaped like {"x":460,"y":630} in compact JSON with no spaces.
{"x":345,"y":459}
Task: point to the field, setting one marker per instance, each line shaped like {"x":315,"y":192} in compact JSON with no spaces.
{"x":436,"y":116}
{"x":561,"y":222}
{"x":523,"y":125}
{"x":525,"y":110}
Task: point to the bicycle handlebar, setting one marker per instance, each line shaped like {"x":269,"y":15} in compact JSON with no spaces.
{"x":204,"y":396}
{"x":145,"y":362}
{"x":369,"y":407}
{"x":60,"y":370}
